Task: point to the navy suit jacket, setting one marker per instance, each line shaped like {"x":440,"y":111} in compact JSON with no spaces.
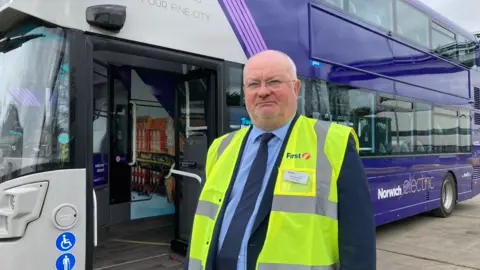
{"x":357,"y":236}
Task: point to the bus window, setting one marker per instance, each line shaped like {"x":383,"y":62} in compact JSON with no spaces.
{"x":465,"y":131}
{"x":446,"y":138}
{"x":377,"y":12}
{"x":335,"y":3}
{"x":34,"y":103}
{"x":344,"y":105}
{"x":466,"y":50}
{"x":423,"y":128}
{"x":412,"y":24}
{"x":237,"y":115}
{"x":399,"y":115}
{"x":316,"y":99}
{"x":443,"y":41}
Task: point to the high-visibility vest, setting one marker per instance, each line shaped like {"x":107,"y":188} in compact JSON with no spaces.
{"x":303,"y":226}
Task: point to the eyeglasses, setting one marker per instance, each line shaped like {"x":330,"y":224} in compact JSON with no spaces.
{"x":270,"y":84}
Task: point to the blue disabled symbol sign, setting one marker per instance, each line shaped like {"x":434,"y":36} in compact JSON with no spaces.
{"x":65,"y":241}
{"x":65,"y":262}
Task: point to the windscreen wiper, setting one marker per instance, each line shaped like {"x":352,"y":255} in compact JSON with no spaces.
{"x":11,"y":43}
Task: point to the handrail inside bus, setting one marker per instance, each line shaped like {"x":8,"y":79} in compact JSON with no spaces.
{"x":192,"y":175}
{"x":134,"y":134}
{"x":94,"y":218}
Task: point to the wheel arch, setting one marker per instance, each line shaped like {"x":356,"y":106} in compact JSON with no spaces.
{"x":454,"y":176}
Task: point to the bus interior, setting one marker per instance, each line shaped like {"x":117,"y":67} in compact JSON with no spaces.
{"x":148,"y":114}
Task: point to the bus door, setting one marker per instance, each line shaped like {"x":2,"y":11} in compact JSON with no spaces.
{"x":195,"y":129}
{"x":152,"y":127}
{"x":160,"y":109}
{"x":172,"y":125}
{"x":112,"y":151}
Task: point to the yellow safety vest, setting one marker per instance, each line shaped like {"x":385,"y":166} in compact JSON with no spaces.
{"x":303,"y":227}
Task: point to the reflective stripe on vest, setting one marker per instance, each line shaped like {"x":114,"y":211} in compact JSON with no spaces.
{"x":303,"y":214}
{"x":195,"y":264}
{"x":225,"y":142}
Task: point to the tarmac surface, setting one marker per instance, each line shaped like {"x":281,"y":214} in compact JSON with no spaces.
{"x":419,"y":242}
{"x":140,"y":245}
{"x":427,"y":242}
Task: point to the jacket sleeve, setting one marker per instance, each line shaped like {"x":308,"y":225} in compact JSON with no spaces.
{"x":357,"y":231}
{"x":185,"y":262}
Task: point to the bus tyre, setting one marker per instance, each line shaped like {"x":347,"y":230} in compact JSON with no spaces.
{"x":448,"y":197}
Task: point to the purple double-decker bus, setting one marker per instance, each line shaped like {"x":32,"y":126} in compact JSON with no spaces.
{"x":107,"y":109}
{"x":406,"y":79}
{"x":404,"y":76}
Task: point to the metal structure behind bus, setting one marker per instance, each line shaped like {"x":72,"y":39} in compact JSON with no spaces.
{"x":402,"y":75}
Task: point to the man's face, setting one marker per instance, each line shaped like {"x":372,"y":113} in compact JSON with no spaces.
{"x":271,"y":90}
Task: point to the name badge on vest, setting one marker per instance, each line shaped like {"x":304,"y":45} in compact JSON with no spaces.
{"x":296,"y":177}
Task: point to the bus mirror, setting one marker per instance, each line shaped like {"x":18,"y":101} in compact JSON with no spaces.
{"x":108,"y":17}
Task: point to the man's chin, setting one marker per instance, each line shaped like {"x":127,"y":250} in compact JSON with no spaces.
{"x":266,"y":115}
{"x":267,"y":111}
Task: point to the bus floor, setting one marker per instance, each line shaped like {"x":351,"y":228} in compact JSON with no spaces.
{"x":139,"y":245}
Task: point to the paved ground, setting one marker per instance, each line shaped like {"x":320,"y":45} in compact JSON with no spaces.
{"x":138,"y":246}
{"x":417,"y":243}
{"x":426,"y":242}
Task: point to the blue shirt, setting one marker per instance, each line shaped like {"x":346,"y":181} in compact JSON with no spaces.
{"x":250,"y":151}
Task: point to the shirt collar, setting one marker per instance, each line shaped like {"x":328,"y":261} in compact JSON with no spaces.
{"x":280,"y":132}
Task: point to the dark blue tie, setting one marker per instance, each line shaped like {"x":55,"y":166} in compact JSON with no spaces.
{"x":228,"y":255}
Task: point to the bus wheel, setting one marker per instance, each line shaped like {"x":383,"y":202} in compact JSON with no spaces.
{"x":448,"y":196}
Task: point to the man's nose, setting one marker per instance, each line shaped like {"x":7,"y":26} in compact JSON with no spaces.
{"x":263,"y":91}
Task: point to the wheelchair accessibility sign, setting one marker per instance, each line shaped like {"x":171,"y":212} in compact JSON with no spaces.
{"x":65,"y":241}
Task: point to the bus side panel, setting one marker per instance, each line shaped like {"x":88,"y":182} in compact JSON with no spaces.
{"x":37,"y":247}
{"x":307,"y":34}
{"x":405,"y":186}
{"x":475,"y":159}
{"x":462,"y":173}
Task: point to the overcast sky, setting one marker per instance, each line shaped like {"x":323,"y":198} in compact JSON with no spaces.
{"x":466,"y":13}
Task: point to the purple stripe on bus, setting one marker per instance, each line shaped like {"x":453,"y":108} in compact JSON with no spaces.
{"x":238,"y":27}
{"x":255,"y":29}
{"x":240,"y":12}
{"x":247,"y":30}
{"x":231,"y":22}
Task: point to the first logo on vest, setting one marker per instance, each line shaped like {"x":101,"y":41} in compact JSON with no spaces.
{"x":305,"y":155}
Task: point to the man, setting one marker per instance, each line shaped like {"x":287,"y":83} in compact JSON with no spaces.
{"x":288,"y":192}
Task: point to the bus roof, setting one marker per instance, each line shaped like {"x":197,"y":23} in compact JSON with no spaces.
{"x":222,"y":29}
{"x":195,"y":26}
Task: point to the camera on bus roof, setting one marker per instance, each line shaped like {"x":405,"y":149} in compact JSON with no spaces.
{"x":108,"y":17}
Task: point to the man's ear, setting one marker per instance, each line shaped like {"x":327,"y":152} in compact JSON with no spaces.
{"x":297,"y":86}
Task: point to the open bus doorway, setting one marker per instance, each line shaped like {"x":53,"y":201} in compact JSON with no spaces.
{"x":148,"y":114}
